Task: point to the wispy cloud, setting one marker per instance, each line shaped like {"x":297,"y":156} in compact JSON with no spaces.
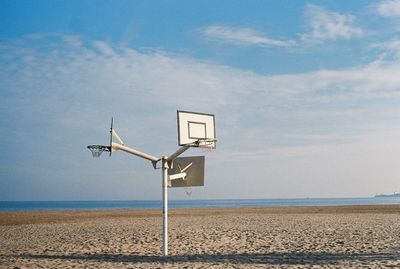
{"x":323,"y":25}
{"x":84,"y":81}
{"x":388,"y":8}
{"x":329,"y":25}
{"x":104,"y":48}
{"x":243,"y":36}
{"x":389,"y":50}
{"x":61,"y":94}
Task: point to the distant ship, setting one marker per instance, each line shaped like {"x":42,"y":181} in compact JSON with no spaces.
{"x":395,"y":194}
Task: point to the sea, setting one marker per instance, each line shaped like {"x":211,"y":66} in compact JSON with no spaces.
{"x":222,"y":203}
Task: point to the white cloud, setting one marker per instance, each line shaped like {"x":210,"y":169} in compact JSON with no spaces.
{"x":243,"y":36}
{"x":104,"y":48}
{"x":388,"y":8}
{"x":323,"y":25}
{"x":61,"y":96}
{"x":72,"y":40}
{"x":94,"y":77}
{"x":389,"y":50}
{"x":329,"y":25}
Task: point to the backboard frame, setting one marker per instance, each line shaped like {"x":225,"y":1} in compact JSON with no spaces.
{"x":198,"y":121}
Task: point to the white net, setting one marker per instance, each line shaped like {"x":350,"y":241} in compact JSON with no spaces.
{"x":188,"y":191}
{"x":97,"y":150}
{"x":207,"y":144}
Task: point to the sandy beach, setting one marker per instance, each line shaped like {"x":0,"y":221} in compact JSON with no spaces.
{"x":285,"y":237}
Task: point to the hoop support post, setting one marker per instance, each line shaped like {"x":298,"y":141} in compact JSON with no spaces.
{"x":194,"y":130}
{"x":165,"y":204}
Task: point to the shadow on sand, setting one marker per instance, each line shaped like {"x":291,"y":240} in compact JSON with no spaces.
{"x":244,"y":258}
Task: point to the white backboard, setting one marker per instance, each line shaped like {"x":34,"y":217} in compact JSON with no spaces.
{"x":193,"y":126}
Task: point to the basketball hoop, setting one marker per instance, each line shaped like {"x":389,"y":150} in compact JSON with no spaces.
{"x":97,"y":150}
{"x":188,"y":191}
{"x":207,"y":144}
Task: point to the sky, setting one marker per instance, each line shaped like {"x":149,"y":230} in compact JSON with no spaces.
{"x":306,"y":96}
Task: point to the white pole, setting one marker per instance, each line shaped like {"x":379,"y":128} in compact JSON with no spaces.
{"x":165,"y":205}
{"x":116,"y":146}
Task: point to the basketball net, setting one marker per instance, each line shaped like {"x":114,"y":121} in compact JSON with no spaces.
{"x":97,"y":150}
{"x":188,"y":191}
{"x":206,"y":145}
{"x":206,"y":149}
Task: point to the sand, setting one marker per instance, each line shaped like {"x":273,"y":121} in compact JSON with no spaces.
{"x":292,"y":237}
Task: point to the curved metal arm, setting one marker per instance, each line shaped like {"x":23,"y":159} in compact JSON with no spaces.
{"x":135,"y":152}
{"x":177,"y":153}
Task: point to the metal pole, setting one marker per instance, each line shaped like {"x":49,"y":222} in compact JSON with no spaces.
{"x":165,"y":204}
{"x":138,"y":153}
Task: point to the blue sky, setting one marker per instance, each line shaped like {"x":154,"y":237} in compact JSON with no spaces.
{"x":306,"y":96}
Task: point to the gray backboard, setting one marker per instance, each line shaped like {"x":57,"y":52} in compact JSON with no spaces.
{"x":191,"y":168}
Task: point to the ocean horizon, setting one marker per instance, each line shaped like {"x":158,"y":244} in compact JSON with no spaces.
{"x":211,"y":203}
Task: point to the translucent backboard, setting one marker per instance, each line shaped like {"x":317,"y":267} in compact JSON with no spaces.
{"x":193,"y":126}
{"x":186,"y":172}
